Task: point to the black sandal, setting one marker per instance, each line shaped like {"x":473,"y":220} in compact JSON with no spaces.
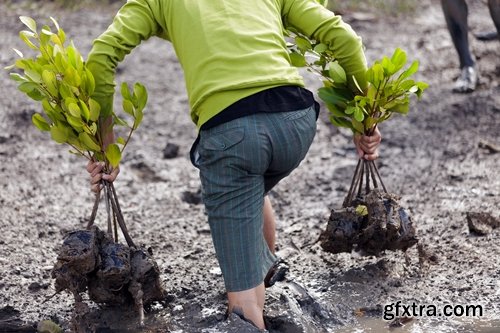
{"x":276,"y":273}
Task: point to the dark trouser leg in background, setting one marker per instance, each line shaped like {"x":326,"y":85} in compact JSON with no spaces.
{"x":494,"y":6}
{"x":456,"y":13}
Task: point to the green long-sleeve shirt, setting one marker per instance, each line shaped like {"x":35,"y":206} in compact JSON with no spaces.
{"x":228,"y":49}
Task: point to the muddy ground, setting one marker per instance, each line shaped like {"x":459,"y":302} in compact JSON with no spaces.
{"x":442,"y":159}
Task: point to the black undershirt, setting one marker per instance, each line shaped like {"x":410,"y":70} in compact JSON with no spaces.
{"x":278,"y":99}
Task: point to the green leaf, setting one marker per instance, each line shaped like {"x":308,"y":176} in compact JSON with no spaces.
{"x":357,"y":84}
{"x":85,"y":112}
{"x":297,"y":60}
{"x":40,"y":122}
{"x":303,"y":44}
{"x":27,"y":87}
{"x":26,"y":38}
{"x":93,"y":129}
{"x":89,"y":142}
{"x":33,"y":75}
{"x":48,"y":326}
{"x":341,"y":122}
{"x":388,"y":66}
{"x":49,"y":110}
{"x":75,"y":122}
{"x":336,"y":72}
{"x":350,"y":109}
{"x":90,"y":82}
{"x":47,"y":32}
{"x":369,"y":122}
{"x":335,"y":111}
{"x":65,"y":91}
{"x":362,"y":210}
{"x":74,"y":110}
{"x":55,"y":39}
{"x":29,"y":22}
{"x":55,"y":23}
{"x":141,"y":95}
{"x":19,"y":53}
{"x":125,"y":91}
{"x":335,"y":96}
{"x":421,"y":87}
{"x":36,"y":95}
{"x":407,"y":84}
{"x":58,"y":134}
{"x":128,"y":107}
{"x":358,"y":114}
{"x":113,"y":155}
{"x":378,"y":74}
{"x":410,"y":71}
{"x":119,"y":121}
{"x":120,"y":140}
{"x":18,"y":77}
{"x":95,"y":109}
{"x":71,"y":77}
{"x":74,"y":57}
{"x":398,"y":59}
{"x":49,"y":79}
{"x":320,"y":48}
{"x":22,"y":63}
{"x":403,"y":107}
{"x":44,"y":40}
{"x":138,"y":118}
{"x":358,"y":126}
{"x":61,"y":62}
{"x":62,"y":36}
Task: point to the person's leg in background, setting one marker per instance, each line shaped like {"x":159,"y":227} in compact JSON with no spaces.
{"x":269,"y":225}
{"x":494,"y":6}
{"x":456,"y":15}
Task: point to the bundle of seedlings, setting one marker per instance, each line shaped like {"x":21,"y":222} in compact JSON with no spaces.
{"x":89,"y":260}
{"x":371,"y":219}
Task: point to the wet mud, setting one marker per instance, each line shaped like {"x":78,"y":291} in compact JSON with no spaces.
{"x":441,"y":160}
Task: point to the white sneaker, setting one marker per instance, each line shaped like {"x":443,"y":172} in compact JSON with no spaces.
{"x":467,"y":81}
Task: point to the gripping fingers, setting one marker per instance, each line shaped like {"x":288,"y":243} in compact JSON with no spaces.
{"x":367,"y":146}
{"x":112,"y":175}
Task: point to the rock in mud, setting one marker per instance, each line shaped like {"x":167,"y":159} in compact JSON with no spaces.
{"x":171,"y":150}
{"x":481,"y":223}
{"x":385,"y":225}
{"x":10,"y":321}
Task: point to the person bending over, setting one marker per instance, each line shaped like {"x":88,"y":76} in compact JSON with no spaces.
{"x":255,"y":119}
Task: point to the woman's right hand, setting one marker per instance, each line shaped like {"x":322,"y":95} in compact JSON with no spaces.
{"x":95,"y":169}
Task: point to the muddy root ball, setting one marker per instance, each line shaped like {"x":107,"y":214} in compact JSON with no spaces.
{"x":384,"y":225}
{"x":112,"y":273}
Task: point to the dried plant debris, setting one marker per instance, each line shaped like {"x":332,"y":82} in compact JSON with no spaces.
{"x":371,"y":224}
{"x":112,"y":273}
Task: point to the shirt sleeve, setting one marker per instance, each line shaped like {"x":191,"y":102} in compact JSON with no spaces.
{"x":133,"y":23}
{"x":315,"y":21}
